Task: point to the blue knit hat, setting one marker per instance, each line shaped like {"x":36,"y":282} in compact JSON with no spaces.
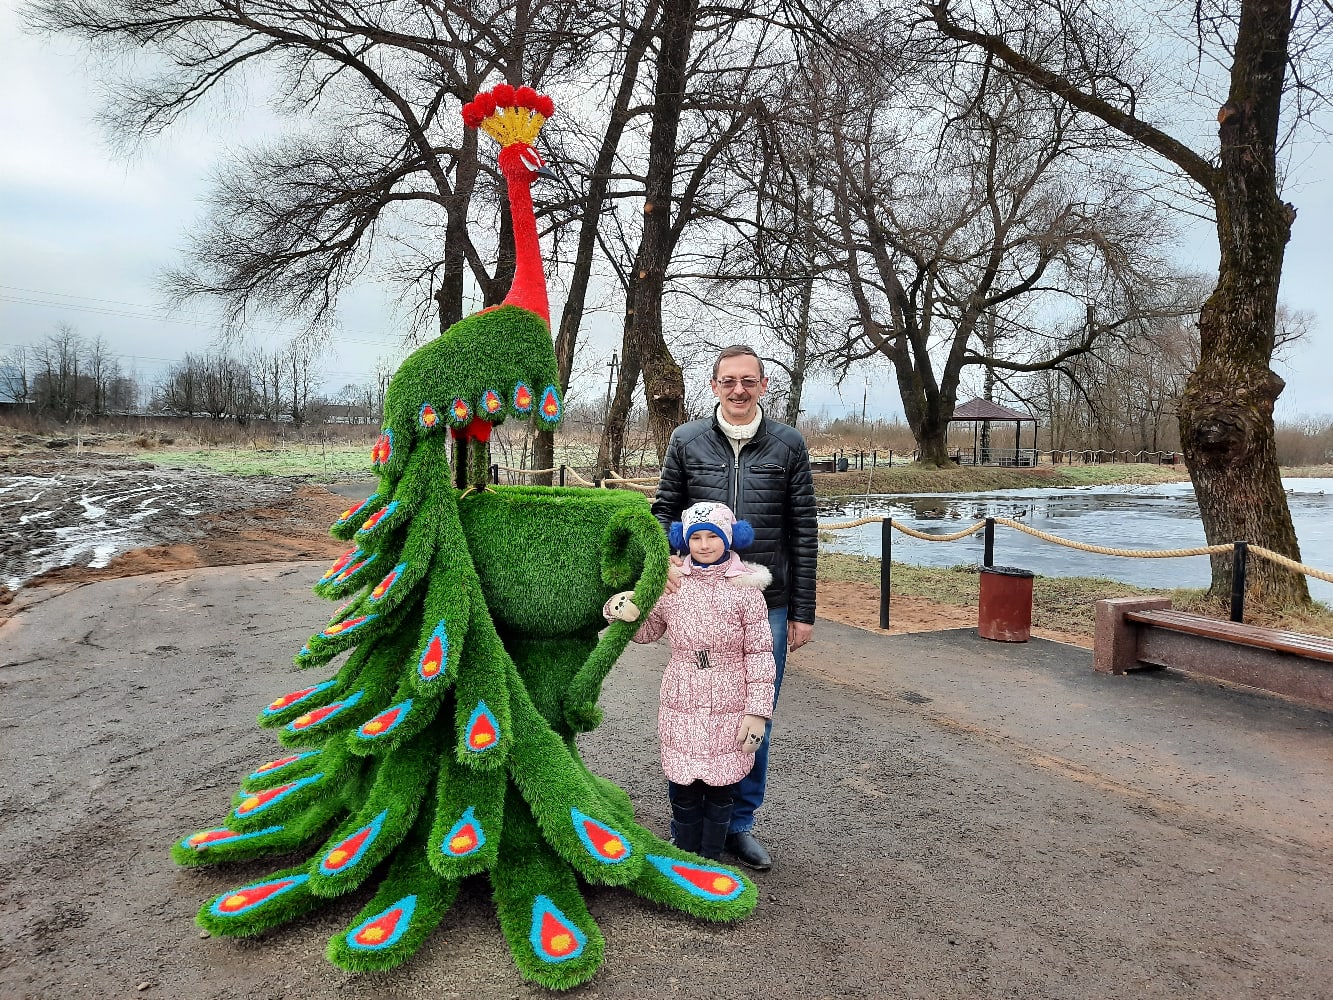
{"x":709,"y":515}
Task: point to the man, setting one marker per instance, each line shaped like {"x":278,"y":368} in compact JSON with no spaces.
{"x":760,"y":469}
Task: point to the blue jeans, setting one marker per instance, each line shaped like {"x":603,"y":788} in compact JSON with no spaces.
{"x":750,"y":791}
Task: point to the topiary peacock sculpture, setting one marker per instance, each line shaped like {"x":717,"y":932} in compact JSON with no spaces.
{"x":443,"y":746}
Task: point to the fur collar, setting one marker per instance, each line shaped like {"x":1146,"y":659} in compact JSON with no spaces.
{"x":734,"y":570}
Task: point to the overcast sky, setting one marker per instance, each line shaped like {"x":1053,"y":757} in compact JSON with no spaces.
{"x":84,"y":236}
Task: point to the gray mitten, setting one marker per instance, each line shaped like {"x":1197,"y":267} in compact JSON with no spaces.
{"x":622,"y":608}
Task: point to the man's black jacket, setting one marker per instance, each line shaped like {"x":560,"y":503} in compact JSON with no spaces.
{"x":769,"y":485}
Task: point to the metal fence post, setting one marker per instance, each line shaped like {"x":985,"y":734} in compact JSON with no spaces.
{"x":988,"y":553}
{"x":885,"y":562}
{"x":495,"y":474}
{"x":1240,"y":557}
{"x":562,"y":475}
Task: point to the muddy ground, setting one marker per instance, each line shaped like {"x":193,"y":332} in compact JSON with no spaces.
{"x":77,"y":518}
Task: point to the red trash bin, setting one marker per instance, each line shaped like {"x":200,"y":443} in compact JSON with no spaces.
{"x":1004,"y":611}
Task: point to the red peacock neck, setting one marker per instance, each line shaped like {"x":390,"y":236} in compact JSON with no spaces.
{"x":528,"y":290}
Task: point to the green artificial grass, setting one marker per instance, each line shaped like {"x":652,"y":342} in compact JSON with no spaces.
{"x":444,"y":745}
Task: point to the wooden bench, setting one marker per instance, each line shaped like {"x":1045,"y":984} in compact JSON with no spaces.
{"x":1134,"y":632}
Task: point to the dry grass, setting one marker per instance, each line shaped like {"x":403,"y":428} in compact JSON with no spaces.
{"x":914,"y":479}
{"x":924,"y":479}
{"x":1063,"y":604}
{"x":1315,"y":619}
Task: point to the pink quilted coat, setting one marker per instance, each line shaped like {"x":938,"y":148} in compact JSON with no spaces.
{"x":718,"y":609}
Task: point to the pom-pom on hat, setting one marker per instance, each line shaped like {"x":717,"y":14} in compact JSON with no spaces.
{"x":708,"y":515}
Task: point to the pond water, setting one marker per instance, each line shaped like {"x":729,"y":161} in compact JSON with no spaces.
{"x":1162,"y":516}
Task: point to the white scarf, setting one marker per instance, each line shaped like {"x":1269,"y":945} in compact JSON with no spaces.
{"x":738,"y":434}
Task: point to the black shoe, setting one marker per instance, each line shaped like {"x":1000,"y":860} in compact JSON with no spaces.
{"x":749,"y":851}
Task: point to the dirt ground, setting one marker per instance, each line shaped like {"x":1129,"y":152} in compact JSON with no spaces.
{"x":951,"y":820}
{"x":76,"y":519}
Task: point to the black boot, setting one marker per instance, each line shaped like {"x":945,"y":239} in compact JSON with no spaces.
{"x":717,"y":817}
{"x":717,"y":803}
{"x":749,"y":851}
{"x":687,"y":813}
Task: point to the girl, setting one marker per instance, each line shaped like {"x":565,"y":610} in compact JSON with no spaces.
{"x":717,"y":691}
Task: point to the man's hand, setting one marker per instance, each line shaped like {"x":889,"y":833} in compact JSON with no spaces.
{"x":674,"y":574}
{"x":798,"y":634}
{"x":750,"y":733}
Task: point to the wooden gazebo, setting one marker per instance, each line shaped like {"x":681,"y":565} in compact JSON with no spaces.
{"x":980,"y":411}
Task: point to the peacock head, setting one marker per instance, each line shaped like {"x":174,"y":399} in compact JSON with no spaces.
{"x":513,"y":117}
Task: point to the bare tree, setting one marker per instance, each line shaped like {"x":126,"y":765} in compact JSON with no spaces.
{"x":1083,"y":52}
{"x":777,"y":268}
{"x":1291,"y":327}
{"x":705,"y":95}
{"x":978,"y":226}
{"x":1125,"y":395}
{"x":621,"y":81}
{"x":57,"y":362}
{"x":102,"y":368}
{"x":16,"y":375}
{"x":181,"y":390}
{"x":300,"y":360}
{"x":265,"y":371}
{"x":376,"y":161}
{"x":1121,"y":396}
{"x":644,"y":349}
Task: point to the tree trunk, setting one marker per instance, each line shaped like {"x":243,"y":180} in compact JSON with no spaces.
{"x":449,"y":294}
{"x":610,"y":451}
{"x":932,"y":448}
{"x":571,"y":315}
{"x":663,"y":381}
{"x":798,"y":366}
{"x":801,"y":349}
{"x":927,"y":411}
{"x":927,"y":403}
{"x":1226,"y":412}
{"x":493,"y":292}
{"x":989,"y":341}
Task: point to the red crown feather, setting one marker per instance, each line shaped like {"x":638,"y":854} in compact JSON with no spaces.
{"x":509,"y":115}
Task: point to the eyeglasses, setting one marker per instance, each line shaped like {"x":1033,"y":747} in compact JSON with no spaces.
{"x":746,"y":383}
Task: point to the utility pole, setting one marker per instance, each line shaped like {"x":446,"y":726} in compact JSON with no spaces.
{"x":613,"y":364}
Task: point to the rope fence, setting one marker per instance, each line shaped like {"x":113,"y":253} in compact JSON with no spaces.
{"x":611,"y":479}
{"x":844,"y":460}
{"x":860,"y":460}
{"x":1240,"y":553}
{"x":1291,"y":564}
